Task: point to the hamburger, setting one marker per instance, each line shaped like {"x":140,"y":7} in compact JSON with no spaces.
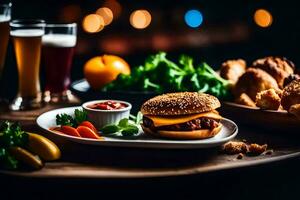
{"x":182,"y":115}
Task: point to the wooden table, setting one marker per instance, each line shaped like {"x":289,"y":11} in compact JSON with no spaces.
{"x":83,"y":161}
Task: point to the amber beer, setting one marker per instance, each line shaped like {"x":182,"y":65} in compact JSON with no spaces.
{"x":27,"y":44}
{"x":4,"y":36}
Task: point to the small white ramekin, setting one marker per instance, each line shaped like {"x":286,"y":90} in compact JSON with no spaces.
{"x":100,"y":118}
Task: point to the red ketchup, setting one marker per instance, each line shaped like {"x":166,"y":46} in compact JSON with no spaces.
{"x":108,"y":105}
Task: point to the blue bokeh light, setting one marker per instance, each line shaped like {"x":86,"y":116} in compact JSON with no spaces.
{"x":193,"y":18}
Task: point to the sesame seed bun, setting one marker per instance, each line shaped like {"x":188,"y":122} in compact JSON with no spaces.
{"x":180,"y":103}
{"x":184,"y":135}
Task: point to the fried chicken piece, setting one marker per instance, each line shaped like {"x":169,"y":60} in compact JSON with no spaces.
{"x":244,"y":99}
{"x":256,"y":149}
{"x":291,"y":78}
{"x":291,"y":95}
{"x":253,"y":81}
{"x":268,"y":99}
{"x":235,"y":147}
{"x":278,"y":67}
{"x":232,"y":69}
{"x":295,"y":110}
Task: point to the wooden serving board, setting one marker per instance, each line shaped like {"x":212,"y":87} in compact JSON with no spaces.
{"x":266,"y":119}
{"x":85,"y":161}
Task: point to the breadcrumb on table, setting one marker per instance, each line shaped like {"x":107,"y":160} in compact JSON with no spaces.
{"x":240,"y":156}
{"x":235,"y":147}
{"x":256,"y":149}
{"x":241,"y":148}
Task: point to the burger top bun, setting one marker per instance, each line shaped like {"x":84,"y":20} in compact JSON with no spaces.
{"x":180,"y":103}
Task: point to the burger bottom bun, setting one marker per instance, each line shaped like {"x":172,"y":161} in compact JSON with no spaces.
{"x":184,"y":135}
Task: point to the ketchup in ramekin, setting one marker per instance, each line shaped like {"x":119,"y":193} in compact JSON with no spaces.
{"x":108,"y":111}
{"x":108,"y":105}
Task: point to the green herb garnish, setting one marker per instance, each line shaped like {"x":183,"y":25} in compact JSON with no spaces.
{"x":80,"y":116}
{"x":159,"y":74}
{"x":125,"y":127}
{"x":68,"y":120}
{"x":11,"y":135}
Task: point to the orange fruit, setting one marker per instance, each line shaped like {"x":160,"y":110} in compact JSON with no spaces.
{"x":102,"y":70}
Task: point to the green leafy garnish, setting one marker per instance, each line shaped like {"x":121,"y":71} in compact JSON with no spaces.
{"x":65,"y":120}
{"x":125,"y":127}
{"x":6,"y":160}
{"x":159,"y":74}
{"x":123,"y":123}
{"x":68,"y":120}
{"x":130,"y":130}
{"x":110,"y":128}
{"x":80,"y":116}
{"x":11,"y":135}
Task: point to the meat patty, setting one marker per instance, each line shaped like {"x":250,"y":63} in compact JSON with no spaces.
{"x":195,"y":124}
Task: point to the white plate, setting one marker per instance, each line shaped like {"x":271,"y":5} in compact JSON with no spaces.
{"x":228,"y":132}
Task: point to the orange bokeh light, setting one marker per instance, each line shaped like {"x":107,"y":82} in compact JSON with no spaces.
{"x":70,"y":13}
{"x":93,"y":23}
{"x":263,"y":18}
{"x":106,"y":14}
{"x":114,"y":6}
{"x":140,"y":19}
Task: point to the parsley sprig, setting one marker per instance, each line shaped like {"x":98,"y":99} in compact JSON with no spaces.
{"x":68,"y":120}
{"x":11,"y":135}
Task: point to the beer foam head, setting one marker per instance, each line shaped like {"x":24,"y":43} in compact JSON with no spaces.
{"x":59,"y":40}
{"x":27,"y":32}
{"x":4,"y":18}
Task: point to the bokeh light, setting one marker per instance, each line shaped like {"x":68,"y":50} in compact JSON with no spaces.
{"x":140,"y":19}
{"x":161,"y":42}
{"x":115,"y":45}
{"x":106,"y":14}
{"x":193,"y":18}
{"x":93,"y":23}
{"x":114,"y":6}
{"x":70,"y":13}
{"x":263,"y":18}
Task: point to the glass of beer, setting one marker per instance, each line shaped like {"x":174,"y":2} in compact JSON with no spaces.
{"x":59,"y":43}
{"x":5,"y":15}
{"x":27,"y":40}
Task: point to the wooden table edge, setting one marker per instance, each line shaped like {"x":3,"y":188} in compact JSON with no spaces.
{"x":155,"y":174}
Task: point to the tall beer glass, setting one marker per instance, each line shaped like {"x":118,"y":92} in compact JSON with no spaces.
{"x":27,"y":40}
{"x":58,"y":48}
{"x":5,"y":15}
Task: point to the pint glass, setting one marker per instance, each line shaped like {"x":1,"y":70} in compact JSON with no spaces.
{"x":58,"y":48}
{"x":5,"y":15}
{"x":27,"y":40}
{"x":5,"y":11}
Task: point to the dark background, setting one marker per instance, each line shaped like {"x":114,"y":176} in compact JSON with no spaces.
{"x":228,"y":31}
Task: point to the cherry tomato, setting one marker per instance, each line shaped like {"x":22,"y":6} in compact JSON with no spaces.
{"x":86,"y":132}
{"x":69,"y":130}
{"x":89,"y":124}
